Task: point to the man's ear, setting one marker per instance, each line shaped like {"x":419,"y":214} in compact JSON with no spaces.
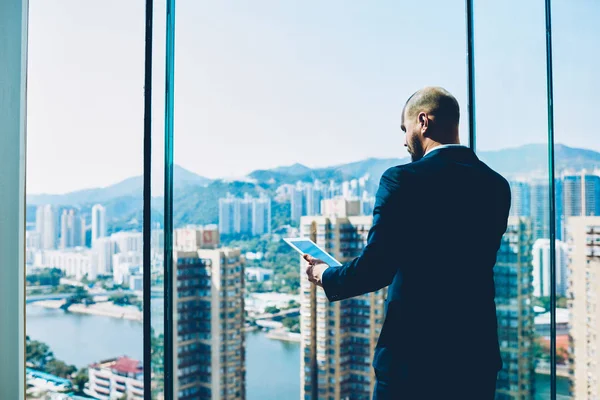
{"x":423,"y":119}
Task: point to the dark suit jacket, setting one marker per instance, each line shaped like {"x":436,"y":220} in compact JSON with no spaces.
{"x":437,"y":226}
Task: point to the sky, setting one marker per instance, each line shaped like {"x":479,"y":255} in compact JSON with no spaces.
{"x":270,"y":83}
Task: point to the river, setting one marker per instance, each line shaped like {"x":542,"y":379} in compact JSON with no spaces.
{"x":272,"y":366}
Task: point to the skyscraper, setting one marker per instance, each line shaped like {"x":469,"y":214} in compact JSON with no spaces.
{"x":127,"y":241}
{"x":297,"y":203}
{"x":521,"y":197}
{"x":514,"y":310}
{"x":581,"y":194}
{"x":227,"y":212}
{"x":104,"y":249}
{"x":243,"y":215}
{"x":46,"y":221}
{"x":540,"y":210}
{"x":583,"y":235}
{"x":261,"y":215}
{"x":72,"y":230}
{"x":541,"y":267}
{"x":338,"y":339}
{"x":249,"y":216}
{"x":209,"y":344}
{"x":98,"y":222}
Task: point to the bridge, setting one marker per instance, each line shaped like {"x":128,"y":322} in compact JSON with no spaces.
{"x":65,"y":296}
{"x":291,"y":312}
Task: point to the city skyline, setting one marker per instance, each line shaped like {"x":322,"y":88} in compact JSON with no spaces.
{"x":296,"y":164}
{"x":300,"y":79}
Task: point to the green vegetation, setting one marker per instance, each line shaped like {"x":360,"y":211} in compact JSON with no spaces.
{"x":272,"y":310}
{"x":80,"y":296}
{"x":124,"y":299}
{"x":293,"y":304}
{"x":278,"y":256}
{"x":292,"y":324}
{"x":47,"y":277}
{"x":544,"y":302}
{"x":157,"y":361}
{"x":40,"y":357}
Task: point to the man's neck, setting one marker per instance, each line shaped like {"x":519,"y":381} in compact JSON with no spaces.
{"x":432,"y":145}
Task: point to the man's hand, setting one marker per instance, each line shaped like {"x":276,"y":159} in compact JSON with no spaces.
{"x":315,"y":269}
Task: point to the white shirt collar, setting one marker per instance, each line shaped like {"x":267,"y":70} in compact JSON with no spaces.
{"x":443,"y":146}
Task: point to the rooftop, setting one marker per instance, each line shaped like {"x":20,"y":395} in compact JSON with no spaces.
{"x":124,"y":365}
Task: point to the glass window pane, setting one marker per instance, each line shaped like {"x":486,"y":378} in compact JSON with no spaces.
{"x":84,"y":198}
{"x":512,"y":139}
{"x":286,"y":115}
{"x":577,"y":174}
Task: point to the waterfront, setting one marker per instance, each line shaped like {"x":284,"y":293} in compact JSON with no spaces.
{"x":272,"y":366}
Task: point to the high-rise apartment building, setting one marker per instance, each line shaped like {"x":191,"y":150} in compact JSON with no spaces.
{"x":341,"y":207}
{"x":125,"y":265}
{"x":313,"y":194}
{"x":227,"y":215}
{"x":243,"y":216}
{"x":192,"y":238}
{"x":209,"y":344}
{"x":521,"y":198}
{"x":98,"y":222}
{"x":540,"y":210}
{"x":583,"y":234}
{"x":104,"y":249}
{"x":581,"y":194}
{"x":125,"y":241}
{"x":297,"y":202}
{"x":338,"y":339}
{"x":541,"y":267}
{"x":250,"y":216}
{"x":261,"y":216}
{"x":76,"y":263}
{"x":72,"y":230}
{"x":46,"y":223}
{"x":514,"y":310}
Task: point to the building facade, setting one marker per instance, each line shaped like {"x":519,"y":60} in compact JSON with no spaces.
{"x":117,"y":378}
{"x":583,"y":234}
{"x":514,"y":311}
{"x":46,"y":223}
{"x":338,"y":339}
{"x":98,"y":222}
{"x":209,"y":348}
{"x":541,"y":267}
{"x":72,"y":230}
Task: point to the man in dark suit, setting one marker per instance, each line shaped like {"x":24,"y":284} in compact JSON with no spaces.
{"x":437,"y":226}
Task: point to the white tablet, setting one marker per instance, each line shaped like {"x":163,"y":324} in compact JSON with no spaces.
{"x":307,"y":246}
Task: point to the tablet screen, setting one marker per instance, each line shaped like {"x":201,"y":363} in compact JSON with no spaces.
{"x":307,"y":246}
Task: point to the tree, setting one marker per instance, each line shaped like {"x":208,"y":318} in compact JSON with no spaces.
{"x":59,"y":368}
{"x":37,"y":353}
{"x":272,"y":310}
{"x":124,"y":299}
{"x":293,"y":304}
{"x":80,"y":380}
{"x":292,"y":324}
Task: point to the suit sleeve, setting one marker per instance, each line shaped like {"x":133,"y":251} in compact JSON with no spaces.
{"x":379,"y":261}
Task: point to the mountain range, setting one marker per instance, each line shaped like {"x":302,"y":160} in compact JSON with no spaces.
{"x":196,"y":197}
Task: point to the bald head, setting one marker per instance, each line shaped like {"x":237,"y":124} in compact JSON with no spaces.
{"x":429,"y":119}
{"x":441,"y":108}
